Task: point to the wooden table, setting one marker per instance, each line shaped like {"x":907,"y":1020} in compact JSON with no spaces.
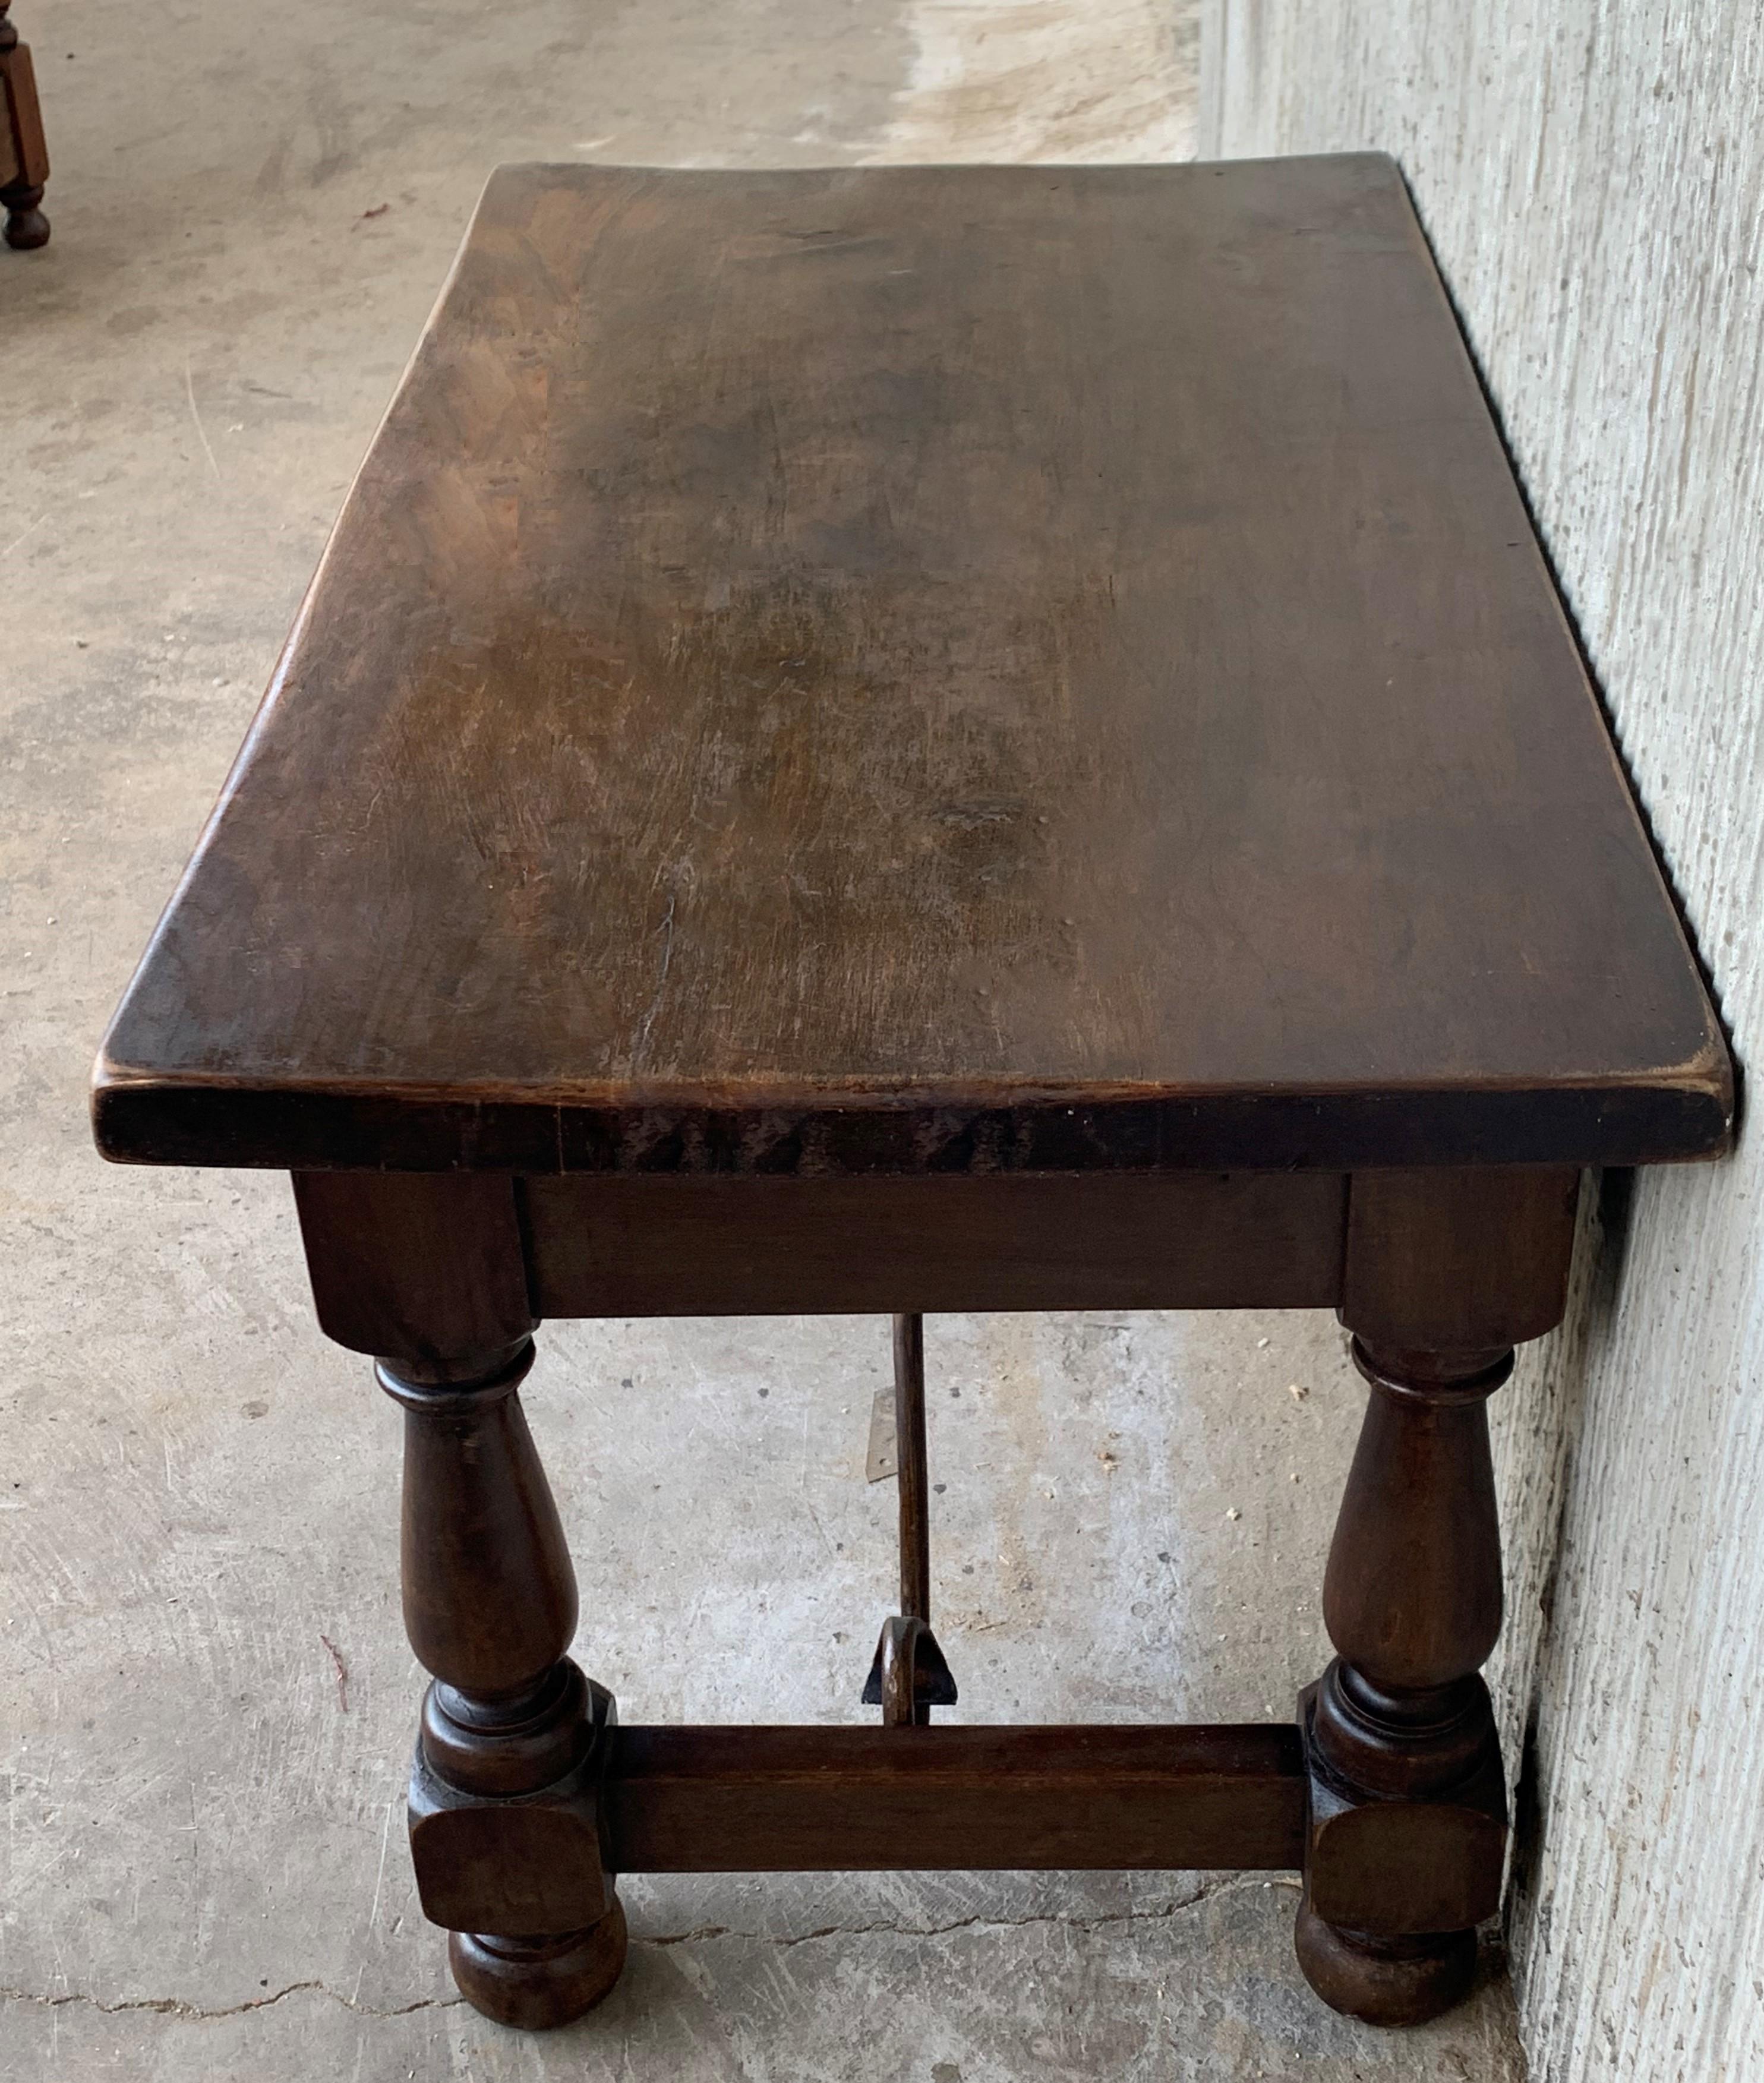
{"x":917,"y":740}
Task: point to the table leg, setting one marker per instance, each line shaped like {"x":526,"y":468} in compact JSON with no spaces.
{"x":427,"y":1273}
{"x":503,"y":1810}
{"x":1446,"y":1272}
{"x":1408,"y":1819}
{"x":24,"y":160}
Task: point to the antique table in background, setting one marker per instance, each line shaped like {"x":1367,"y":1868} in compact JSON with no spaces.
{"x":933,"y":739}
{"x":25,"y":157}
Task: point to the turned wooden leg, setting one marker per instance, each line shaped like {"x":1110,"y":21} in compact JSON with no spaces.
{"x":1408,"y":1817}
{"x":24,"y":160}
{"x":1445,"y":1271}
{"x":504,"y":1824}
{"x":427,"y":1272}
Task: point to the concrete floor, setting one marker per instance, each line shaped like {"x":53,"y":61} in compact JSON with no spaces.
{"x":206,"y":1696}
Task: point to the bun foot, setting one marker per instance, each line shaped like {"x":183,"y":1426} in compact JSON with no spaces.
{"x":1384,"y":1981}
{"x":26,"y":227}
{"x":535,"y":1983}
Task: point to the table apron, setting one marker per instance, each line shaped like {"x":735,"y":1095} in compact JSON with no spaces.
{"x":667,"y":1245}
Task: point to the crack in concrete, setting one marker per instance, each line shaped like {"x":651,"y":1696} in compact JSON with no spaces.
{"x":700,"y":1934}
{"x":703,"y":1933}
{"x":176,"y":2007}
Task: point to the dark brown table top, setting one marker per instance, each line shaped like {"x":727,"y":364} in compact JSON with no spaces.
{"x":928,"y":669}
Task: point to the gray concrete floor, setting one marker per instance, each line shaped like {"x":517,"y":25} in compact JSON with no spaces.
{"x":205,"y":1697}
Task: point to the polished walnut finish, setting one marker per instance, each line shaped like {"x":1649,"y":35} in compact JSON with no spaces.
{"x":24,"y":155}
{"x":928,"y":669}
{"x":914,"y":739}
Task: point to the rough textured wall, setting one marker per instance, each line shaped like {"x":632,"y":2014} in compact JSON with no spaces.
{"x":1592,"y":174}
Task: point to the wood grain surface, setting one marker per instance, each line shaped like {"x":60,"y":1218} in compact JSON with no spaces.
{"x":670,"y":1245}
{"x":771,"y":1800}
{"x":927,"y":668}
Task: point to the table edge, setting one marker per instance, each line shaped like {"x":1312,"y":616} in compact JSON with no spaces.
{"x":1678,"y":1114}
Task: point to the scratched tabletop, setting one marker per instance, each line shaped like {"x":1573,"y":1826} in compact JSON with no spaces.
{"x":927,"y":668}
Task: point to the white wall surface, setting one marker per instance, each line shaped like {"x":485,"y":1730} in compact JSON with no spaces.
{"x":1592,"y":175}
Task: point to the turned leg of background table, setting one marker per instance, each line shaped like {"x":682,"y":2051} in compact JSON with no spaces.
{"x":24,"y":160}
{"x":1445,"y":1271}
{"x":426,"y":1271}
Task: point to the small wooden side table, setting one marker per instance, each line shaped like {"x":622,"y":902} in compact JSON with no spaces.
{"x":928,"y":739}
